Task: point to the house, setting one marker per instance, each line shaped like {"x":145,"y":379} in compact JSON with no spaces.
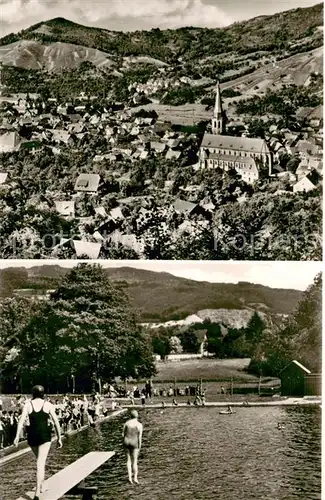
{"x":173,"y":143}
{"x":302,"y":170}
{"x":127,"y":240}
{"x":65,"y":208}
{"x":101,"y":211}
{"x":87,"y":248}
{"x":3,"y":177}
{"x":189,"y":208}
{"x":293,"y":379}
{"x":172,"y":154}
{"x":9,"y":142}
{"x":76,"y":128}
{"x":87,"y":183}
{"x":314,"y":115}
{"x":307,"y":183}
{"x":144,"y":155}
{"x":306,"y":147}
{"x":158,"y":147}
{"x":62,"y":136}
{"x":116,"y":214}
{"x":316,"y":163}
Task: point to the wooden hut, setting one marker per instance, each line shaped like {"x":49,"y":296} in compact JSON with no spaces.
{"x":293,"y":379}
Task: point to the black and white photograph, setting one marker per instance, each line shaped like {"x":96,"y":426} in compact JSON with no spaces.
{"x":161,"y":249}
{"x":161,"y":129}
{"x":160,"y":380}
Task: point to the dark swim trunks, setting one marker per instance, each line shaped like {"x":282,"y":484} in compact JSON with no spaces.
{"x":130,"y":446}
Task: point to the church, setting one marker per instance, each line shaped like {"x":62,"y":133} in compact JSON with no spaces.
{"x":246,"y":155}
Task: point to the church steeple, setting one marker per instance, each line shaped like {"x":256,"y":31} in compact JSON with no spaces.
{"x":218,"y":116}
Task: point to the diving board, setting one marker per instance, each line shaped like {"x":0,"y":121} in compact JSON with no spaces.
{"x":71,"y":476}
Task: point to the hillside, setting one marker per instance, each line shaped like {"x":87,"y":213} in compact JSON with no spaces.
{"x":32,"y":54}
{"x":163,"y":297}
{"x":59,"y":43}
{"x":264,"y":32}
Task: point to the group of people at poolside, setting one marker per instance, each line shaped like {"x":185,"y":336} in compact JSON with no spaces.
{"x":43,"y":416}
{"x":72,"y":413}
{"x":39,"y":412}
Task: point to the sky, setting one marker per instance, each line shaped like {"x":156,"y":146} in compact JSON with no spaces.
{"x":130,"y":15}
{"x":295,"y":275}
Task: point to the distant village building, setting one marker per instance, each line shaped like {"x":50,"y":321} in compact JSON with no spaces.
{"x":65,"y":208}
{"x":245,"y":154}
{"x":87,"y":249}
{"x":3,"y":177}
{"x":9,"y":142}
{"x":88,"y":183}
{"x":307,"y":183}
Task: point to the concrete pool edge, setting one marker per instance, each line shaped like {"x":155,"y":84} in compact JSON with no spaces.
{"x":12,"y":455}
{"x":316,"y":401}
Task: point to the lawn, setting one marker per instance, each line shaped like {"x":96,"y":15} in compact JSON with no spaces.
{"x":192,"y":370}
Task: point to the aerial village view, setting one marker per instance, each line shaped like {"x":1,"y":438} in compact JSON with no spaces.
{"x":192,"y":143}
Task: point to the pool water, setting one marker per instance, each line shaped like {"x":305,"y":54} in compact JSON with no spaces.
{"x":196,"y":453}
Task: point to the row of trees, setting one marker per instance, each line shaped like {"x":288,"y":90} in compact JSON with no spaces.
{"x":283,"y":102}
{"x":86,"y":330}
{"x":215,"y":338}
{"x":299,"y":338}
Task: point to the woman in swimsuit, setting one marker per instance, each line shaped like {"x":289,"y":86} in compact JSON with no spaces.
{"x":39,"y":431}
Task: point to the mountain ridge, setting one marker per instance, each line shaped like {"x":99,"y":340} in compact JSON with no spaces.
{"x":161,"y":296}
{"x":271,"y":32}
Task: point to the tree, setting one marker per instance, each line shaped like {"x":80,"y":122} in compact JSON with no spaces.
{"x":87,"y":329}
{"x":161,"y":342}
{"x":214,"y":338}
{"x":175,"y":344}
{"x":299,"y":338}
{"x":254,"y":329}
{"x":190,"y":341}
{"x":15,"y":313}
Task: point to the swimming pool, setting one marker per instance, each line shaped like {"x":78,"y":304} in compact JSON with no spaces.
{"x":199,"y":454}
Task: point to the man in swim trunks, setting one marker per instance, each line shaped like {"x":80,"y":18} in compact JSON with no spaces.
{"x":132,"y":440}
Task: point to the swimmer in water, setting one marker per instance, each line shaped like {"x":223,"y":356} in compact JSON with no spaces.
{"x":132,"y":440}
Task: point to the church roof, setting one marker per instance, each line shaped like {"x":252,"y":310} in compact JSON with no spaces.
{"x":248,"y":144}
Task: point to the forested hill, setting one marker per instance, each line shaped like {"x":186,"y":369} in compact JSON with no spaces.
{"x":286,"y":30}
{"x":162,"y":296}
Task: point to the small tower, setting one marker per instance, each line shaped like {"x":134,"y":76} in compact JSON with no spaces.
{"x":218,"y":115}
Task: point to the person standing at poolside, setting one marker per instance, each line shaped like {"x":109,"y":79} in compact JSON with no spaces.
{"x":39,"y":432}
{"x":132,"y":441}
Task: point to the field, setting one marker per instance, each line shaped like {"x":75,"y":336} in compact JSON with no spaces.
{"x":192,"y":370}
{"x":295,"y":69}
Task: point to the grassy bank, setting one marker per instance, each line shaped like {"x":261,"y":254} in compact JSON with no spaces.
{"x":214,"y":370}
